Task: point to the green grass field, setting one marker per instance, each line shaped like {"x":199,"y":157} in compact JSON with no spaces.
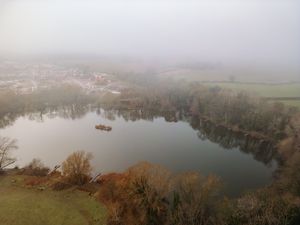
{"x":295,"y":103}
{"x":21,"y":205}
{"x":265,"y":90}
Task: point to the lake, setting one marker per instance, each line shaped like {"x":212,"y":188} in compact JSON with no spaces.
{"x":175,"y":145}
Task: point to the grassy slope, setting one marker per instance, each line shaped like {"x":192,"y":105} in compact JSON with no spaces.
{"x":20,"y":205}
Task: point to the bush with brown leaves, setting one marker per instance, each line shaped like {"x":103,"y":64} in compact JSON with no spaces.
{"x":149,"y":194}
{"x":77,"y":168}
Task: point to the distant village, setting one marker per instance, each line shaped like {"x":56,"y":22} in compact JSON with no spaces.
{"x":25,"y":78}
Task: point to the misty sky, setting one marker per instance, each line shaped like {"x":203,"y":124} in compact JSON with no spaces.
{"x":266,"y":31}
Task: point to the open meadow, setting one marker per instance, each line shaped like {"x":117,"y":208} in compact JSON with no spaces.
{"x":22,"y":205}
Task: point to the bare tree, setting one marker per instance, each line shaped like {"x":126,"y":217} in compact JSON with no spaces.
{"x":36,"y":168}
{"x":6,"y":146}
{"x":77,"y":167}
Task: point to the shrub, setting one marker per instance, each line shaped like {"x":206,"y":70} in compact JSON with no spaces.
{"x":149,"y":186}
{"x":77,"y":168}
{"x":290,"y":177}
{"x":36,"y":168}
{"x":263,"y":207}
{"x":194,"y":199}
{"x":148,"y":194}
{"x":35,"y":181}
{"x":60,"y":185}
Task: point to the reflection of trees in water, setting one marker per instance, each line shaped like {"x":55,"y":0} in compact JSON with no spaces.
{"x":36,"y":116}
{"x":261,"y":150}
{"x":127,"y":115}
{"x":67,"y":112}
{"x":8,"y":120}
{"x":135,"y":115}
{"x":72,"y":111}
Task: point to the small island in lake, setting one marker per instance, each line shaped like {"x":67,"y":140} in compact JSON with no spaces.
{"x":103,"y":127}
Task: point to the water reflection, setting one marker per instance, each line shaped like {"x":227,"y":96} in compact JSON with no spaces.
{"x":172,"y":139}
{"x":74,"y":111}
{"x":262,"y":150}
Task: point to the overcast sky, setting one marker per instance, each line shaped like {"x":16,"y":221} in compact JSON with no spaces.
{"x":265,"y":31}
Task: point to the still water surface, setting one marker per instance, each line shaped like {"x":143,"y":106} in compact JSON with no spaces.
{"x":176,"y":146}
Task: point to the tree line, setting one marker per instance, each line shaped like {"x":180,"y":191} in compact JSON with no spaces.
{"x":233,"y":109}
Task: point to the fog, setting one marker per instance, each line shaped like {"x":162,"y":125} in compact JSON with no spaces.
{"x":255,"y":31}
